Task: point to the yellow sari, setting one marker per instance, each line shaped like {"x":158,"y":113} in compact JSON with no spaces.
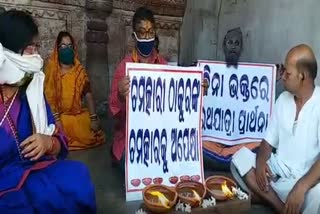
{"x":64,"y":93}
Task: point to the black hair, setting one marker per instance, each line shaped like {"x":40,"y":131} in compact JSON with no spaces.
{"x":310,"y":65}
{"x":17,"y":30}
{"x":142,"y":14}
{"x":63,"y":34}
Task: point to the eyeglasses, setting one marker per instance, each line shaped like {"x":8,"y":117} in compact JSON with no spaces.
{"x":61,"y":46}
{"x":32,"y":48}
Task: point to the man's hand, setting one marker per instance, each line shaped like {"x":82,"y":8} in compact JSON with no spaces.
{"x":123,"y":87}
{"x":205,"y":86}
{"x":35,"y":146}
{"x":262,"y":174}
{"x":295,"y":199}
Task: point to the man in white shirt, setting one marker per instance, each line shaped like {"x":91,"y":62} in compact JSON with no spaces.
{"x":289,"y":179}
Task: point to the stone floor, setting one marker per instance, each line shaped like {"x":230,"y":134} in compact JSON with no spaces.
{"x":110,"y":192}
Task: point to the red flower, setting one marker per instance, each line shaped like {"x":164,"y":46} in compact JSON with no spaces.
{"x":135,"y":182}
{"x":147,"y":181}
{"x":195,"y":177}
{"x":185,"y":178}
{"x":173,"y":179}
{"x":157,"y":180}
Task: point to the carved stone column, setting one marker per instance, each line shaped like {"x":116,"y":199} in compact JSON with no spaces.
{"x":97,"y":47}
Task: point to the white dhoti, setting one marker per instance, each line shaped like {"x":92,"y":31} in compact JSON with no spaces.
{"x":244,"y":160}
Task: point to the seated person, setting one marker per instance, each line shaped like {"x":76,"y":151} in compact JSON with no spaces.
{"x":289,"y":179}
{"x":145,"y":51}
{"x":35,"y":178}
{"x":143,"y":26}
{"x":66,"y":84}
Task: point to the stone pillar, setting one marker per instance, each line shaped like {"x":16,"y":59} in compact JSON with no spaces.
{"x":97,"y":48}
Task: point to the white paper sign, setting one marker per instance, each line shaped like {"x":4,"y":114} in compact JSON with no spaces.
{"x":163,"y":135}
{"x":239,"y":103}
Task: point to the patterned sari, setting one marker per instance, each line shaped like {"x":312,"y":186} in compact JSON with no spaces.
{"x":48,"y":185}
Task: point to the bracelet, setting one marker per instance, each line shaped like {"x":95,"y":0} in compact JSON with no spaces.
{"x":56,"y":116}
{"x":93,"y":117}
{"x":53,"y":143}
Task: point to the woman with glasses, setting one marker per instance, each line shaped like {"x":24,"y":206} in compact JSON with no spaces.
{"x":34,"y":177}
{"x":66,"y":85}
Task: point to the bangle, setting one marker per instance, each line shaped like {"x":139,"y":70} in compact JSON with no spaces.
{"x":56,"y":116}
{"x":53,"y":143}
{"x":93,"y":117}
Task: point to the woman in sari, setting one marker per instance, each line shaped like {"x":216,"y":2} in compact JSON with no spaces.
{"x":34,"y":177}
{"x":66,"y":83}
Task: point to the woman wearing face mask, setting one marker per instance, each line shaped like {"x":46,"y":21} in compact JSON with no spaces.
{"x":143,"y":26}
{"x":66,"y":84}
{"x":34,"y":178}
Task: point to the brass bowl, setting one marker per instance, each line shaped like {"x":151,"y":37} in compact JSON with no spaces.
{"x":213,"y":186}
{"x":152,"y":202}
{"x":186,"y":195}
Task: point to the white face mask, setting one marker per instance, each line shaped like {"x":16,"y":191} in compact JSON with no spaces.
{"x":14,"y":67}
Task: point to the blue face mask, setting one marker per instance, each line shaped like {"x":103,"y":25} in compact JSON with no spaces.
{"x":144,"y":46}
{"x":66,"y":56}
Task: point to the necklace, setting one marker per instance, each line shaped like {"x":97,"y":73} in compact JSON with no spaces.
{"x":7,"y":110}
{"x":10,"y":121}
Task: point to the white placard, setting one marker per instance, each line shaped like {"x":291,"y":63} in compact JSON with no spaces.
{"x":239,"y":102}
{"x":163,"y":133}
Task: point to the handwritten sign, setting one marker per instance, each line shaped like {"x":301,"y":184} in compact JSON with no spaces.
{"x":239,"y":103}
{"x":163,"y":133}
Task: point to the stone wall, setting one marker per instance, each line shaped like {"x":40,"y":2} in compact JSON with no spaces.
{"x":52,"y":18}
{"x":86,"y":21}
{"x":270,"y":28}
{"x":102,"y":30}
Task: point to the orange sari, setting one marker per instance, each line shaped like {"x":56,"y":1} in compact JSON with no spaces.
{"x":226,"y":151}
{"x":64,"y":93}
